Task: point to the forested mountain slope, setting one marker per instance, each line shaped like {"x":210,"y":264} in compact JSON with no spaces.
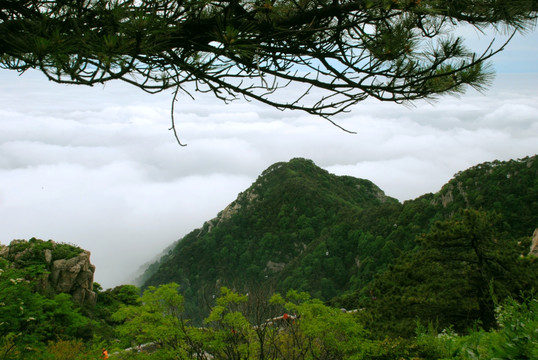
{"x":286,"y":216}
{"x":300,"y":227}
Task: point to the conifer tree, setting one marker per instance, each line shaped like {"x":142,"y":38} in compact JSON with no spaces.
{"x":464,"y":266}
{"x":345,"y":50}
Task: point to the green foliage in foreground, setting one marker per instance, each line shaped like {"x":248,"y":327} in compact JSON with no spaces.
{"x":52,"y":326}
{"x":516,"y":337}
{"x":306,"y":329}
{"x":36,"y":322}
{"x":239,"y":326}
{"x":29,"y":320}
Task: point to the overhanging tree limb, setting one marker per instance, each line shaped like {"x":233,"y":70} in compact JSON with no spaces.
{"x":335,"y":52}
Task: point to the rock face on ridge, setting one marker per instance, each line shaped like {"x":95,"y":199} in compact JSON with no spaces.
{"x":74,"y":276}
{"x":534,"y":244}
{"x":67,"y":268}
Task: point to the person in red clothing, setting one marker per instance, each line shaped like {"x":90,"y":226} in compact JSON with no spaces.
{"x":104,"y":354}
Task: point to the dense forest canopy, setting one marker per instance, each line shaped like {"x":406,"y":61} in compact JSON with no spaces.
{"x":300,"y":227}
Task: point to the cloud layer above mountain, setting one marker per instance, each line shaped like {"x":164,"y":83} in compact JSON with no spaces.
{"x":98,"y":167}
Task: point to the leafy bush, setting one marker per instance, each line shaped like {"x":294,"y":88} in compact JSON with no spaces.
{"x":32,"y":252}
{"x":65,"y":251}
{"x":518,"y":333}
{"x":515,"y":339}
{"x":67,"y":350}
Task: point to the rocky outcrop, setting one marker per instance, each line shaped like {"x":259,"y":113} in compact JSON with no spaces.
{"x":68,"y":268}
{"x":74,"y":276}
{"x":4,"y":251}
{"x":534,"y":244}
{"x":274,"y":266}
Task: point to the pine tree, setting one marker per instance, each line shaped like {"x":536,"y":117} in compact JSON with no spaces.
{"x":392,"y":50}
{"x":465,"y":264}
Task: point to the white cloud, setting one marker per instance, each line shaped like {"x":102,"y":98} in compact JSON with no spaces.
{"x":115,"y":211}
{"x":98,"y":167}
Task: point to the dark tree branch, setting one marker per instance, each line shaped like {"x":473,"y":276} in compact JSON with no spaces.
{"x":338,"y":53}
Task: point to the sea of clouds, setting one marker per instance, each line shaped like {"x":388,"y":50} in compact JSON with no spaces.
{"x":99,"y":168}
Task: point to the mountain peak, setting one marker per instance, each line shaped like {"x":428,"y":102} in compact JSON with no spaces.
{"x":300,"y":227}
{"x":302,"y":180}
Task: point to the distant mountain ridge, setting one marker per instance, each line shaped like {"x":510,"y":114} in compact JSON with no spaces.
{"x":298,"y":226}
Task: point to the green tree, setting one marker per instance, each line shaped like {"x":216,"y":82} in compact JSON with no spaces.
{"x":232,"y":335}
{"x":465,"y":264}
{"x":392,"y":50}
{"x":28,"y":320}
{"x":311,"y":330}
{"x":155,"y":319}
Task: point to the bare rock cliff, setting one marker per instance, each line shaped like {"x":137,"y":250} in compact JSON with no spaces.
{"x":74,"y":276}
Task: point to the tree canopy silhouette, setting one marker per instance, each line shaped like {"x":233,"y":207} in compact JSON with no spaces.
{"x":337,"y":52}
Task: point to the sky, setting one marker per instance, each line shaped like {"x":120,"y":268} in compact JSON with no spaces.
{"x":97,"y":167}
